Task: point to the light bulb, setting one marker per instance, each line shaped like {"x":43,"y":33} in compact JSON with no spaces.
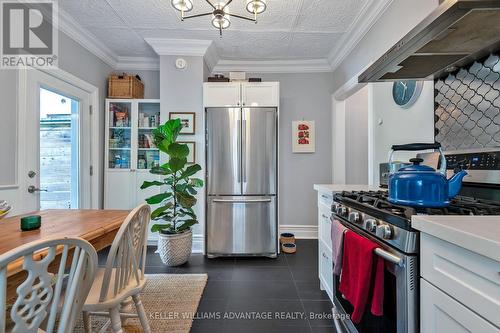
{"x":182,"y":5}
{"x":256,"y":6}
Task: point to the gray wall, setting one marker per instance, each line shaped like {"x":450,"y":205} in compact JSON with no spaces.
{"x":399,"y":18}
{"x":356,"y":137}
{"x":182,"y":91}
{"x":308,"y":97}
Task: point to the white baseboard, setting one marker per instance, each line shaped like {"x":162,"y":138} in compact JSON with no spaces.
{"x":198,"y":242}
{"x":300,"y":231}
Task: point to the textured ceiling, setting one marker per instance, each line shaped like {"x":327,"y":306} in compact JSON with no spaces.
{"x":289,"y":29}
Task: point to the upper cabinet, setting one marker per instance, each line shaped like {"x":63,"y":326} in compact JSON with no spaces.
{"x":241,"y":94}
{"x":260,"y":93}
{"x":222,"y":94}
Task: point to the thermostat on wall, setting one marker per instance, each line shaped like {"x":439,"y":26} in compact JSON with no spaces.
{"x":180,"y":63}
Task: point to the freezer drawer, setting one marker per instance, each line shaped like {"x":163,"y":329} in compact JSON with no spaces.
{"x":241,"y":226}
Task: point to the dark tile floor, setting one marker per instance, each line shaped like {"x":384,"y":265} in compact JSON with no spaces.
{"x":285,"y":289}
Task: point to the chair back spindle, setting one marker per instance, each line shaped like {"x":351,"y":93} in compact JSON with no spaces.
{"x":39,"y":295}
{"x":127,"y":255}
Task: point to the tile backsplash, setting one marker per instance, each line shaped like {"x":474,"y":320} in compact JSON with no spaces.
{"x":467,"y":106}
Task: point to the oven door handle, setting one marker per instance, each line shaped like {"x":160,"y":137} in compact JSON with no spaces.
{"x":389,"y":256}
{"x":336,"y":321}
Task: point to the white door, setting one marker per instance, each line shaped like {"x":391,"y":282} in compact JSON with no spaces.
{"x":221,"y":94}
{"x":258,"y":94}
{"x":55,"y":142}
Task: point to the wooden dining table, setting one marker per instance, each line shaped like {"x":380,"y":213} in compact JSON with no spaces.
{"x":98,"y":227}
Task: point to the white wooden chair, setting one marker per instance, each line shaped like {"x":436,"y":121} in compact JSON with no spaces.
{"x":40,"y":296}
{"x":123,"y":277}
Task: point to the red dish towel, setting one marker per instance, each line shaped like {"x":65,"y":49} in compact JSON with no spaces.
{"x":362,"y":277}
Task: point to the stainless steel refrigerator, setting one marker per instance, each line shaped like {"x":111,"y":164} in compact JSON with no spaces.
{"x":241,"y":182}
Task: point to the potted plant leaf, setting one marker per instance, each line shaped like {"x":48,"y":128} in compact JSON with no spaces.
{"x":175,"y":214}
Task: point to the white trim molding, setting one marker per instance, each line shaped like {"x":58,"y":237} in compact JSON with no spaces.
{"x":198,"y":242}
{"x":181,"y":47}
{"x":68,"y":25}
{"x":138,"y":63}
{"x":367,"y":17}
{"x":273,"y":66}
{"x":300,"y":231}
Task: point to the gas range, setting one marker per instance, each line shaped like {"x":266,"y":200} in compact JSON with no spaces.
{"x":373,"y":213}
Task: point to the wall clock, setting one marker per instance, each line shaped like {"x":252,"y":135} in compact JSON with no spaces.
{"x":406,"y":93}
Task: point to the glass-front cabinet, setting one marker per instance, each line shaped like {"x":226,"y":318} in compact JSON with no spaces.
{"x":119,"y":134}
{"x":130,"y":151}
{"x":129,"y":141}
{"x":147,"y":120}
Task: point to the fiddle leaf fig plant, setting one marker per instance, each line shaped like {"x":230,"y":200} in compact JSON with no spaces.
{"x":175,"y":213}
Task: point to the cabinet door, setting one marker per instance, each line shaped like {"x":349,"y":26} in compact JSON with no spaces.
{"x":221,"y":94}
{"x":260,"y":93}
{"x":119,"y":134}
{"x":440,"y":313}
{"x":142,"y":195}
{"x":120,"y":189}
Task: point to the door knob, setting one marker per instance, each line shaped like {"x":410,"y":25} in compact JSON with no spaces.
{"x":31,"y":174}
{"x":33,"y":189}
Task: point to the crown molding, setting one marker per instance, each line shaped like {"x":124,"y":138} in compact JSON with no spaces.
{"x":68,"y":25}
{"x":211,"y":57}
{"x":138,"y":63}
{"x":367,"y":17}
{"x":274,"y":66}
{"x":184,"y":47}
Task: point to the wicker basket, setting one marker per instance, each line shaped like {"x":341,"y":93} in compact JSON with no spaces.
{"x":287,"y":237}
{"x":125,"y":86}
{"x":288,"y":248}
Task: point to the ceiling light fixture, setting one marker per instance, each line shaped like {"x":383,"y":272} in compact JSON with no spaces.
{"x":221,"y":18}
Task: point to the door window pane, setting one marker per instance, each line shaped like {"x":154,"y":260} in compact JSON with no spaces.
{"x":59,"y":151}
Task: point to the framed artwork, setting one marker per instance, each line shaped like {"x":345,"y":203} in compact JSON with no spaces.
{"x":188,"y":120}
{"x":303,"y":136}
{"x":192,"y":151}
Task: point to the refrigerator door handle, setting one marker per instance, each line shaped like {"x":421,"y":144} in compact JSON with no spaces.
{"x":241,"y":200}
{"x":243,"y":150}
{"x":240,"y":180}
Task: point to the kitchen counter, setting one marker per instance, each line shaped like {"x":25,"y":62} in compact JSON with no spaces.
{"x":479,"y":234}
{"x":333,"y":188}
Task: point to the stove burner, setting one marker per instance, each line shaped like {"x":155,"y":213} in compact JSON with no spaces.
{"x":460,"y":205}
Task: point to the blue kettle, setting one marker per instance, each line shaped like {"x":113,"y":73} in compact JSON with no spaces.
{"x":420,"y":185}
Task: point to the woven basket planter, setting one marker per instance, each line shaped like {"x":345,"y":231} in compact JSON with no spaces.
{"x":175,"y":249}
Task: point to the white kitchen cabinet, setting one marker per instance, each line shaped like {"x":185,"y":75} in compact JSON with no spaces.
{"x":470,"y":278}
{"x":241,"y":94}
{"x":261,"y":94}
{"x":325,"y":201}
{"x":220,"y":94}
{"x":130,"y":152}
{"x":440,"y":313}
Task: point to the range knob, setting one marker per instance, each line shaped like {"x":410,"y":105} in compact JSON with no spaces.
{"x":355,"y":217}
{"x":371,"y":225}
{"x":384,"y":231}
{"x":341,"y":210}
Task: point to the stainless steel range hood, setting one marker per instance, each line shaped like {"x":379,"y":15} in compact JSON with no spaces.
{"x":455,"y":34}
